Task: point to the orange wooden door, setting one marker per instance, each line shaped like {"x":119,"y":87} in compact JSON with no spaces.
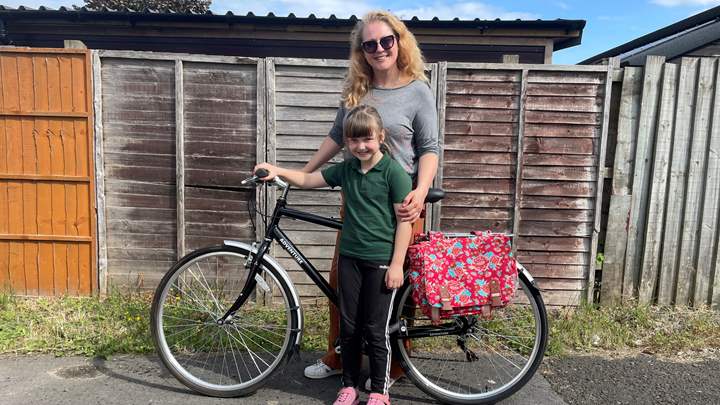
{"x":47,"y":215}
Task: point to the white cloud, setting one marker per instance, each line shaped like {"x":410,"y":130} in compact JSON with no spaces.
{"x":561,"y":4}
{"x":675,"y":3}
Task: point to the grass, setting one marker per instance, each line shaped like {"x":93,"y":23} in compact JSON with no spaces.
{"x":75,"y":325}
{"x":119,"y":324}
{"x":649,"y":329}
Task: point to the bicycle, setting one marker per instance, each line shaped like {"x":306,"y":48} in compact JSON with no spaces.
{"x":224,"y":318}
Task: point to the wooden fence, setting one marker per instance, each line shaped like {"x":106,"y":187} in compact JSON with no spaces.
{"x":180,"y":131}
{"x":662,"y":233}
{"x":176,"y":134}
{"x":522,"y":150}
{"x":47,"y":221}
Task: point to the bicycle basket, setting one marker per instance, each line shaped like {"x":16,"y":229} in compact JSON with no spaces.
{"x":462,"y":275}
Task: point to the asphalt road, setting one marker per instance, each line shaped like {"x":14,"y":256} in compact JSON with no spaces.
{"x":610,"y":379}
{"x":143,"y":380}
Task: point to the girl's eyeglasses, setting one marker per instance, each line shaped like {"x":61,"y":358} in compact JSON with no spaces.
{"x":386,"y":43}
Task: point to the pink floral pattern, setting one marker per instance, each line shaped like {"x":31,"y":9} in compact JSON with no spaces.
{"x":463,"y":270}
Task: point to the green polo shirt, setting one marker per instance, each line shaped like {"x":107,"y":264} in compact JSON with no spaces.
{"x":368,"y":230}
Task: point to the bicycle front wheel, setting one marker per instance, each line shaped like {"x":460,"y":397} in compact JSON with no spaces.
{"x":229,"y":359}
{"x":487,"y":362}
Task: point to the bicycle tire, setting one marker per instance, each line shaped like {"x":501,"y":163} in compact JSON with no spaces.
{"x":422,"y":375}
{"x":174,"y":300}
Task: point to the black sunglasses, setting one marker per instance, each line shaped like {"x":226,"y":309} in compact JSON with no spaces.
{"x":386,"y":42}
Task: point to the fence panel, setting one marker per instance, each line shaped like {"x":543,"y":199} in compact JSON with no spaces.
{"x":47,"y":219}
{"x":679,"y":254}
{"x":523,"y":145}
{"x":301,"y":111}
{"x":177,"y":134}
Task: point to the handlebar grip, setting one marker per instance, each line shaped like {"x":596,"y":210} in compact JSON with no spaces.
{"x":261,"y":173}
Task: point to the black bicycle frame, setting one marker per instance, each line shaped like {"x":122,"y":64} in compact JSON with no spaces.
{"x":273,"y":232}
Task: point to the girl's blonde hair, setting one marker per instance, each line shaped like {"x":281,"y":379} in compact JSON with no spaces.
{"x":363,"y":120}
{"x":360,"y":75}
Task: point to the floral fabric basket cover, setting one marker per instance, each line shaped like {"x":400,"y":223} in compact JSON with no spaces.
{"x":462,"y":275}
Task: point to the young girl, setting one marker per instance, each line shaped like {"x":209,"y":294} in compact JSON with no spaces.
{"x":372,"y":247}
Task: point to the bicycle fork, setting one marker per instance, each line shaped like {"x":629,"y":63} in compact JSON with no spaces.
{"x":252,"y":280}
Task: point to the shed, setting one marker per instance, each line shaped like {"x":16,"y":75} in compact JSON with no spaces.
{"x":289,"y":36}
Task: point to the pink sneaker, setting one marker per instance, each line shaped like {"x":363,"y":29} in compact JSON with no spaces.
{"x":347,"y":396}
{"x":378,"y":399}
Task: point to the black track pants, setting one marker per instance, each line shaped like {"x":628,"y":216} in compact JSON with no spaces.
{"x":365,"y":307}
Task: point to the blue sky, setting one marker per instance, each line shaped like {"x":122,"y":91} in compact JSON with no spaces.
{"x":609,"y":22}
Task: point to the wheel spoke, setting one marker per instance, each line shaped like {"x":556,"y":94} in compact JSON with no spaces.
{"x":219,"y":358}
{"x":507,"y":347}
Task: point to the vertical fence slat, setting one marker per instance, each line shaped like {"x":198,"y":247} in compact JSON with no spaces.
{"x":616,"y":233}
{"x":708,"y":227}
{"x":676,"y":187}
{"x":656,"y":210}
{"x":271,"y":150}
{"x":100,"y":174}
{"x":261,"y":147}
{"x":440,"y":100}
{"x":695,"y":183}
{"x":180,"y":157}
{"x":519,"y":163}
{"x":263,"y":298}
{"x":641,"y":175}
{"x":612,"y":64}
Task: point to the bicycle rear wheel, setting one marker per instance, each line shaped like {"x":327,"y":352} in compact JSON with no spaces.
{"x":486,"y":363}
{"x":229,"y":359}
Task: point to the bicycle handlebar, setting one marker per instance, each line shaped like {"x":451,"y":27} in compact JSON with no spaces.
{"x":262,"y":173}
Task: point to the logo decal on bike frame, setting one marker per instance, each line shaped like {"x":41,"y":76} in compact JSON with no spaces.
{"x":294,"y":253}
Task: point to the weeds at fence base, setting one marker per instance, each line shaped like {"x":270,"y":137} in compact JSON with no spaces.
{"x":119,"y":323}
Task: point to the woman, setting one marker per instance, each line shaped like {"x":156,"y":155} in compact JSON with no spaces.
{"x":387,"y":72}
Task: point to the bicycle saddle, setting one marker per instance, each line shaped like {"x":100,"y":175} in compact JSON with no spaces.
{"x":434,"y":195}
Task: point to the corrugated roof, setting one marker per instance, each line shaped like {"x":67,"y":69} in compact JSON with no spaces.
{"x":332,"y":19}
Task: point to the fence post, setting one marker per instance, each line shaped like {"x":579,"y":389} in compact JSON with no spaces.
{"x":180,"y":156}
{"x":100,"y":175}
{"x":519,"y":163}
{"x":440,"y":100}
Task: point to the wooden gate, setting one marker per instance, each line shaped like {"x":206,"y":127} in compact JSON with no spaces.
{"x":47,"y":220}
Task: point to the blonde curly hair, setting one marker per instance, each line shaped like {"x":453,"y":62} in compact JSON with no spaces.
{"x":360,"y":75}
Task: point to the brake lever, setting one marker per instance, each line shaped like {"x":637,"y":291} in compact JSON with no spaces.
{"x":253,"y":179}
